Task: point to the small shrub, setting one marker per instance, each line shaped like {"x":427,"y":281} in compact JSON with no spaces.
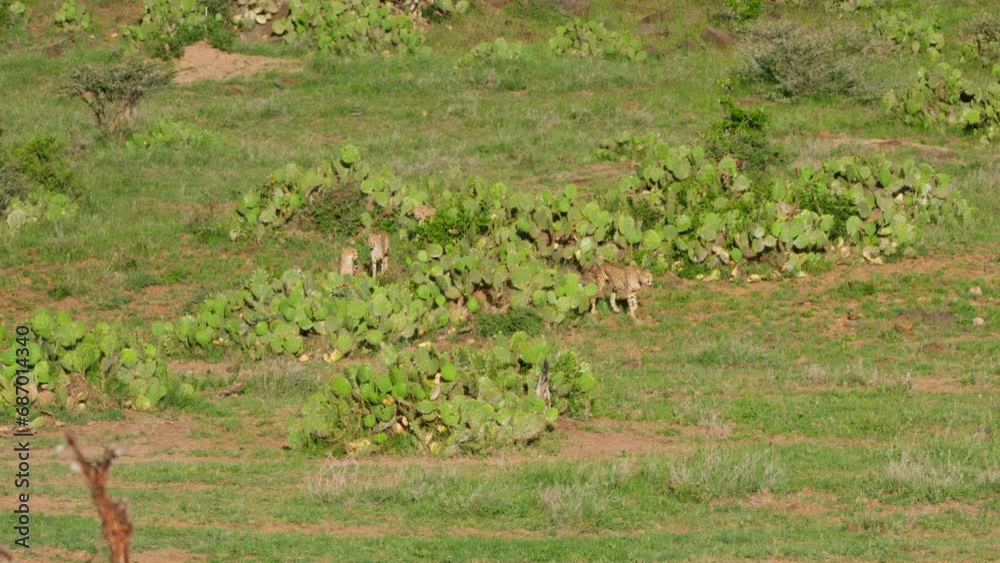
{"x":508,"y":322}
{"x":11,"y":14}
{"x":72,"y":17}
{"x":914,"y":33}
{"x":37,"y":161}
{"x":742,"y":134}
{"x":627,"y":147}
{"x":795,"y":61}
{"x":744,"y":10}
{"x":434,"y":10}
{"x":337,"y":210}
{"x":170,"y":134}
{"x":715,"y":473}
{"x":451,"y":225}
{"x":592,"y":39}
{"x":850,"y":6}
{"x":113,"y":93}
{"x":36,"y":182}
{"x":492,"y":51}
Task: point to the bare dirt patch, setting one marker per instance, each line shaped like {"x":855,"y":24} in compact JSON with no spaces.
{"x":600,"y":438}
{"x":945,"y":385}
{"x":805,"y":502}
{"x":167,"y":556}
{"x":49,"y":554}
{"x":201,"y":61}
{"x":932,"y":153}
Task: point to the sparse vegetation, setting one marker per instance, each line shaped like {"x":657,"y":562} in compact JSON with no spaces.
{"x":807,"y":405}
{"x":793,"y":61}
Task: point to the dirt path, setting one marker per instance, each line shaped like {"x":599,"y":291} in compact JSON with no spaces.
{"x":201,"y":61}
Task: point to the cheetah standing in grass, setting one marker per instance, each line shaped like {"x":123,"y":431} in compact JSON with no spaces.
{"x":348,"y":261}
{"x":423,"y":212}
{"x":624,"y":281}
{"x":379,"y":243}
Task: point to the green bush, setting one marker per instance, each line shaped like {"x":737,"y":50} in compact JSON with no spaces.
{"x":713,"y":215}
{"x":984,"y":46}
{"x":40,"y":161}
{"x":72,"y":17}
{"x":167,"y":133}
{"x":350,"y":27}
{"x":97,"y":366}
{"x":488,"y":52}
{"x":36,"y":182}
{"x":793,"y":61}
{"x":508,"y":322}
{"x":851,"y":6}
{"x":592,"y":39}
{"x":434,"y":10}
{"x":328,"y":190}
{"x":742,"y":134}
{"x":338,"y":209}
{"x":745,"y":10}
{"x":457,"y":401}
{"x":11,"y":14}
{"x":941,"y":97}
{"x":913,"y":33}
{"x":453,"y":224}
{"x":627,"y":147}
{"x":168,"y":26}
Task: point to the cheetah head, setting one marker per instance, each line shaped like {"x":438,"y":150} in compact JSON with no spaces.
{"x":645,"y":277}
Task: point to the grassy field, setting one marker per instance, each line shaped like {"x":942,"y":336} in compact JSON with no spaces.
{"x":851,"y":414}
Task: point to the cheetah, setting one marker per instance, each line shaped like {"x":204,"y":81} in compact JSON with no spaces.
{"x":348,"y":261}
{"x":624,"y":281}
{"x":423,"y":212}
{"x":379,"y":243}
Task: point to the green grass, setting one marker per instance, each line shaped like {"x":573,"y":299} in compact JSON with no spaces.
{"x":849,"y":415}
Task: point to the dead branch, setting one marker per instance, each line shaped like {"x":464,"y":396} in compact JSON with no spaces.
{"x":115,"y":524}
{"x":226,"y":391}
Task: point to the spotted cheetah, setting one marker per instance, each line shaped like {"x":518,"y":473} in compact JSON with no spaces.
{"x":379,"y":243}
{"x":348,"y":261}
{"x":423,"y":212}
{"x":624,"y":281}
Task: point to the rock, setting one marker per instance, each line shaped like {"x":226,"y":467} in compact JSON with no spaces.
{"x":575,"y":7}
{"x":978,"y":321}
{"x":46,"y":398}
{"x":903,"y":326}
{"x":719,"y":37}
{"x":653,"y":24}
{"x":976,"y":291}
